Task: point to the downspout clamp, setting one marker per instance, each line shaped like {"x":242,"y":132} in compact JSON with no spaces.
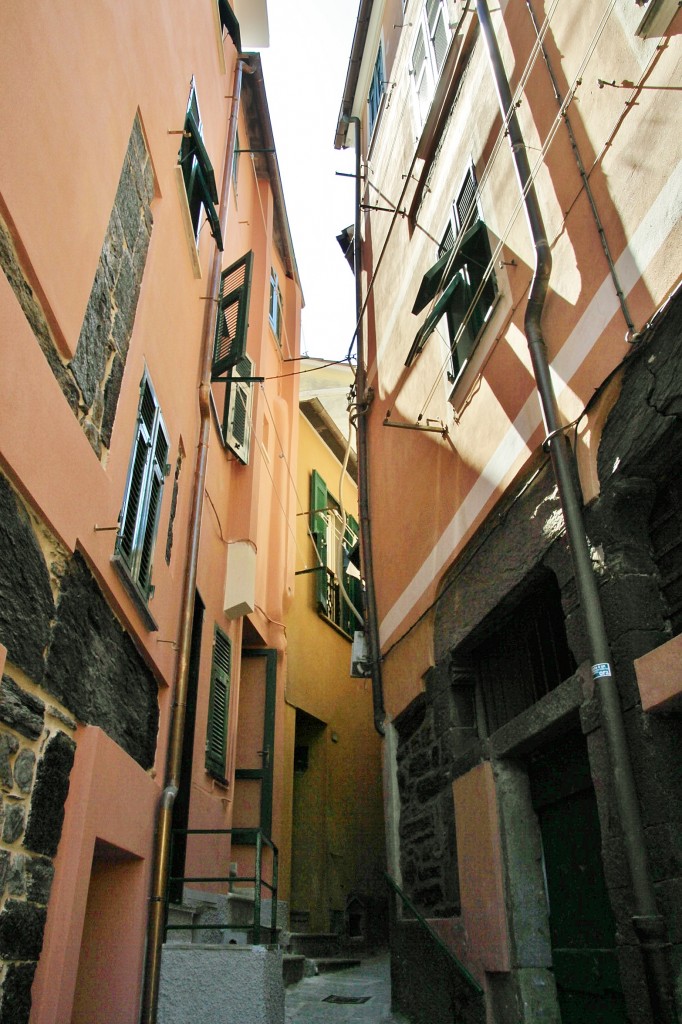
{"x":648,"y":924}
{"x":362,"y":399}
{"x":155,"y":927}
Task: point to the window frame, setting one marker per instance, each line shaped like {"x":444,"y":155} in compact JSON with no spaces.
{"x":142,"y":499}
{"x":377,"y":88}
{"x":275,"y":306}
{"x":215,"y":757}
{"x":329,"y":601}
{"x":236,"y":424}
{"x":431,"y":66}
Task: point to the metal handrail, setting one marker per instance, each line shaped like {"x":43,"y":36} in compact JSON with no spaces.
{"x":252,"y":834}
{"x":461,"y":969}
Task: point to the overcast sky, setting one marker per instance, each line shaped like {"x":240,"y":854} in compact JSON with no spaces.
{"x":305,"y":71}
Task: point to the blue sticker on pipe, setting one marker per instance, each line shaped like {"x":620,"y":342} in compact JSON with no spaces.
{"x":601,"y":670}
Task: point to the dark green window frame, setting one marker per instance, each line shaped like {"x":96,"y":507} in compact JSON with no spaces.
{"x":228,"y":20}
{"x":197,"y":172}
{"x":329,"y":599}
{"x":458,"y":275}
{"x":139,"y":519}
{"x":219,"y":706}
{"x":376,"y":91}
{"x":231,"y":366}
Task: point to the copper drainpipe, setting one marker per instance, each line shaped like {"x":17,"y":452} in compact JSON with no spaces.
{"x":155,"y":929}
{"x":648,"y":924}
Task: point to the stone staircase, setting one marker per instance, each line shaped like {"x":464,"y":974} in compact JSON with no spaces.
{"x":202,"y":917}
{"x":310,"y":953}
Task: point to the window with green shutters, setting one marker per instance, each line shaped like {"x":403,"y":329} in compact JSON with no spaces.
{"x":139,"y":519}
{"x":232,"y":369}
{"x":197,"y":172}
{"x":333,"y":550}
{"x":376,"y":91}
{"x":219,"y":706}
{"x":456,"y":286}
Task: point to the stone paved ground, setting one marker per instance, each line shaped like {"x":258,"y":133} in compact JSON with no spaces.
{"x":305,"y":1002}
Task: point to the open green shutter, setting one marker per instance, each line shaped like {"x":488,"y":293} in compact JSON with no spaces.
{"x":203,"y":159}
{"x":318,"y":528}
{"x":219,"y":703}
{"x":318,"y":504}
{"x":233,"y":316}
{"x":229,"y":21}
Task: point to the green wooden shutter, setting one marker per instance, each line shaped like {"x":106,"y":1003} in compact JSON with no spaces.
{"x":229,"y":21}
{"x":219,"y":705}
{"x":233,"y":316}
{"x":199,"y":151}
{"x":135,"y":499}
{"x":159,"y":470}
{"x":238,"y":416}
{"x":318,"y":528}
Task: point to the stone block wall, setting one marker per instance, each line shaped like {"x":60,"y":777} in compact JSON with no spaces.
{"x":68,"y":660}
{"x":91,"y":381}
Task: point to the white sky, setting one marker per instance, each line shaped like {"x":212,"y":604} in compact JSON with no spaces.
{"x":305,"y":71}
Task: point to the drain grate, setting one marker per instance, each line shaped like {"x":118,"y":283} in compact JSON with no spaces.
{"x":347,"y":999}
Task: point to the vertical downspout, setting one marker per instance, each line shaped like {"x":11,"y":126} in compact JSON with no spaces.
{"x":362,"y":400}
{"x":647,"y":922}
{"x":155,"y":927}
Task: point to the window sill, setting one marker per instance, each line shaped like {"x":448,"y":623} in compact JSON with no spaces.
{"x":187,"y":223}
{"x":335,"y":627}
{"x":132,"y":590}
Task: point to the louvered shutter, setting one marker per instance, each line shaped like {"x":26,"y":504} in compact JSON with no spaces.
{"x":240,"y":400}
{"x":219,"y":705}
{"x":233,"y":316}
{"x":318,"y":528}
{"x":439,"y":31}
{"x":148,"y":539}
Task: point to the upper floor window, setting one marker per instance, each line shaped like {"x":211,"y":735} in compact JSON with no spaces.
{"x":376,"y":91}
{"x":428,"y":54}
{"x":139,"y":519}
{"x":275,"y":309}
{"x":197,"y":173}
{"x":232,"y":369}
{"x":467,"y":290}
{"x":334,"y":545}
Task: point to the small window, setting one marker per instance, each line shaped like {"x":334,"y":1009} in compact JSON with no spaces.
{"x":333,"y":551}
{"x":197,"y":173}
{"x":219,"y":706}
{"x":428,"y":55}
{"x":466,"y":296}
{"x":139,"y":520}
{"x":275,"y":308}
{"x":376,"y":91}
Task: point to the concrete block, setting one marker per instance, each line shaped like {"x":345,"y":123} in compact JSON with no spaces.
{"x":221,"y":984}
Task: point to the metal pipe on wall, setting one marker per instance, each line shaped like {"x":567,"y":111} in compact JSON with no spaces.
{"x":362,"y":400}
{"x":647,"y":922}
{"x":164,"y":824}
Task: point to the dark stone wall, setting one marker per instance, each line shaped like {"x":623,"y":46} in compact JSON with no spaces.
{"x":67,"y":644}
{"x":91,"y":382}
{"x":76,"y":651}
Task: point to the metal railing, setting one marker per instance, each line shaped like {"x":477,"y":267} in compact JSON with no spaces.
{"x":245,"y":837}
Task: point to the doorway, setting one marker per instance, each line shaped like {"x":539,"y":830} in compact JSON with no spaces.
{"x":582,"y":927}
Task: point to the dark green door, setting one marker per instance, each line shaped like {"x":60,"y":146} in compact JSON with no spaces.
{"x":255,"y":740}
{"x":581,"y":921}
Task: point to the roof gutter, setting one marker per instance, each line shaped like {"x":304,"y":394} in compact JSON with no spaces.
{"x":648,"y":924}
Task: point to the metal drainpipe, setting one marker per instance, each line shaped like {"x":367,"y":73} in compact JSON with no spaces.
{"x":363,"y":477}
{"x":647,"y":922}
{"x":155,"y":927}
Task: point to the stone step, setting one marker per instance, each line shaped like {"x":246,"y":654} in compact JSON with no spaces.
{"x":293,"y":967}
{"x":327,"y":965}
{"x":314,"y":944}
